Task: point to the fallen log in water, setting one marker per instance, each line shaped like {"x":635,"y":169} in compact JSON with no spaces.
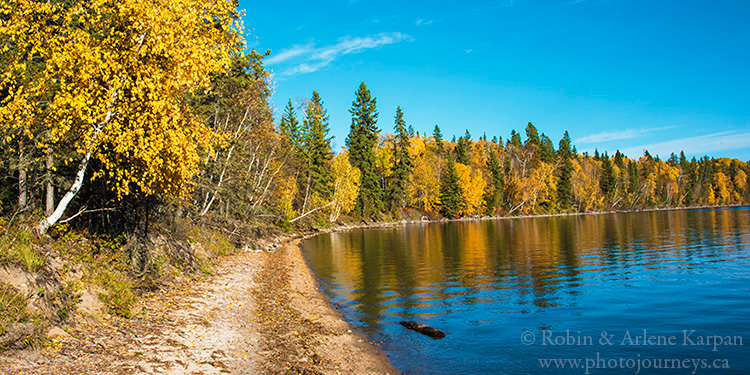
{"x":423,"y":329}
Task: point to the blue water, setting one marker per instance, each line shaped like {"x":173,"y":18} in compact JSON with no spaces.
{"x":513,"y":293}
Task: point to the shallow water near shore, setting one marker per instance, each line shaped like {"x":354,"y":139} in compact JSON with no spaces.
{"x":664,"y":292}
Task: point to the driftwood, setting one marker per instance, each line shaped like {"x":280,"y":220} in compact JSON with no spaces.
{"x":423,"y":329}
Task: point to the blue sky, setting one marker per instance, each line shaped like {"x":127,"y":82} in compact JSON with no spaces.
{"x":617,"y":74}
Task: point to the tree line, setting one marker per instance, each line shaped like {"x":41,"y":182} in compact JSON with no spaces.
{"x":404,"y":173}
{"x":115,"y":111}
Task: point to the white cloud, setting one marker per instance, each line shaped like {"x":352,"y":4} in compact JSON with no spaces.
{"x":607,"y":136}
{"x":307,"y":58}
{"x":421,"y":22}
{"x":469,"y":50}
{"x":290,"y":53}
{"x":700,"y":145}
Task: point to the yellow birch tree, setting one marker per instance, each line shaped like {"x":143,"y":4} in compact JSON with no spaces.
{"x":112,"y":81}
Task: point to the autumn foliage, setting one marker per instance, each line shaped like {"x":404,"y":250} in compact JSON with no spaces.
{"x":109,"y":107}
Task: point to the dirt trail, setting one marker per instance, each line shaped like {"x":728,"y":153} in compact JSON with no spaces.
{"x":260,"y":313}
{"x":200,"y":327}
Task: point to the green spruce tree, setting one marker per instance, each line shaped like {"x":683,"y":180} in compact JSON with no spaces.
{"x":362,"y":139}
{"x":463,"y":147}
{"x":608,"y":179}
{"x":515,"y":139}
{"x":317,"y":150}
{"x":547,"y":151}
{"x":564,"y":185}
{"x":402,"y":164}
{"x":289,"y":127}
{"x":450,"y":192}
{"x":438,"y":136}
{"x":494,"y":193}
{"x":532,"y":136}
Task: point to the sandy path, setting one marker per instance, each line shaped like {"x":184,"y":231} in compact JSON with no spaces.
{"x":201,"y":327}
{"x":260,"y":313}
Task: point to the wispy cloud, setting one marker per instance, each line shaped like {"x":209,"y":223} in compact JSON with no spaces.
{"x":308,"y":58}
{"x":607,"y":136}
{"x":700,"y":145}
{"x":423,"y":22}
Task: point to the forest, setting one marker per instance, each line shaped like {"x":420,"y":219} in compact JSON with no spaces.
{"x":116,"y":114}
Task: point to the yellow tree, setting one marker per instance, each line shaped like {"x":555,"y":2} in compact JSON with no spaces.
{"x":112,"y":82}
{"x":740,"y":182}
{"x":346,"y":185}
{"x":424,"y":188}
{"x":722,"y":188}
{"x":667,"y":177}
{"x":586,"y":191}
{"x":472,"y":188}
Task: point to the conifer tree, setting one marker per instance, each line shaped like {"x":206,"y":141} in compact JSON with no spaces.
{"x":672,"y":159}
{"x":547,"y":151}
{"x":494,"y":194}
{"x":515,"y":138}
{"x":317,"y":149}
{"x":618,"y":160}
{"x":450,"y":192}
{"x":403,"y":164}
{"x":289,"y":126}
{"x":462,"y":151}
{"x":362,"y":139}
{"x":564,"y":185}
{"x":438,"y":135}
{"x":532,"y":136}
{"x":632,"y":177}
{"x":608,"y":178}
{"x":411,"y":131}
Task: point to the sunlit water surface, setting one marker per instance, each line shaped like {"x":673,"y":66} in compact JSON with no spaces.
{"x":506,"y":291}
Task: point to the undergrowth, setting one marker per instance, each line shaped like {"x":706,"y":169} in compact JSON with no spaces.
{"x":19,"y":245}
{"x":12,"y":307}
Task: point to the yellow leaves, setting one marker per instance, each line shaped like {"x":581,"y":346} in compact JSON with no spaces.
{"x":472,"y":188}
{"x":586,"y":191}
{"x":423,"y":189}
{"x":347,"y":181}
{"x":131,"y":58}
{"x":722,"y":188}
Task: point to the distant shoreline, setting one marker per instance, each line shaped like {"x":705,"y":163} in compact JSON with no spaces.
{"x":387,"y":224}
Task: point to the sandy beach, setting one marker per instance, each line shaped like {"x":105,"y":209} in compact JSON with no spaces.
{"x":258,"y":313}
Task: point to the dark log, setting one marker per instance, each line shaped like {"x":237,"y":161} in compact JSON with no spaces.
{"x":423,"y":329}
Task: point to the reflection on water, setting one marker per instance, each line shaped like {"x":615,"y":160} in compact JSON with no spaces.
{"x":488,"y":282}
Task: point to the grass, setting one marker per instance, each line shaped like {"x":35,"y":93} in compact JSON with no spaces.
{"x":17,"y":247}
{"x":12,"y":307}
{"x":106,"y":265}
{"x":120,"y":295}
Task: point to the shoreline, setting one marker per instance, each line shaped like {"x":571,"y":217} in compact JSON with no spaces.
{"x":295,"y":314}
{"x":387,"y":224}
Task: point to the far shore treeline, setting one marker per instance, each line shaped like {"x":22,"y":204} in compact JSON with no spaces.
{"x":114,"y":112}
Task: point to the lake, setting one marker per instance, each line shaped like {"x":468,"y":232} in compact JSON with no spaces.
{"x":662,"y":292}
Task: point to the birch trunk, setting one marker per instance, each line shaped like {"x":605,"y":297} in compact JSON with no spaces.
{"x":55,"y":216}
{"x":50,"y":198}
{"x":22,"y":177}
